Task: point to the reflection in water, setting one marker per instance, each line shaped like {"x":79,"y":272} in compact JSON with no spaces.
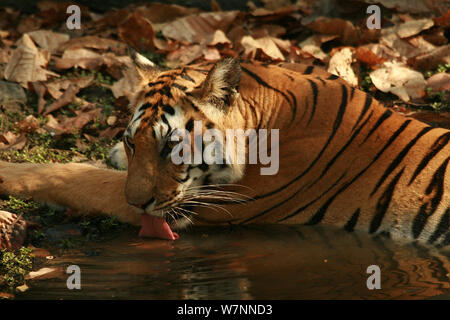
{"x":251,"y":262}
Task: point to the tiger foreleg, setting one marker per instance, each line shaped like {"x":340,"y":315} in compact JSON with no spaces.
{"x":82,"y":187}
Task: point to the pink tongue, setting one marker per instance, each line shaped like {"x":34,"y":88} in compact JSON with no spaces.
{"x":154,"y":227}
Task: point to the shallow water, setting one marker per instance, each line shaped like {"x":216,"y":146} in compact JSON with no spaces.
{"x":250,"y":262}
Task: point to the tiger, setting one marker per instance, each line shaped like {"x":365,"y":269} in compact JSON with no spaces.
{"x":344,"y":159}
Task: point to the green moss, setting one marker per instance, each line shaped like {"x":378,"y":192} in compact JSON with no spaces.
{"x":14,"y":266}
{"x":440,"y":68}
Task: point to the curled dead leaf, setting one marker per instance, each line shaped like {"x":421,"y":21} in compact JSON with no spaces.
{"x":67,"y":97}
{"x":94,"y":42}
{"x":138,"y":32}
{"x":341,"y":65}
{"x":335,"y":26}
{"x":12,"y":141}
{"x":49,"y":40}
{"x":265,"y":45}
{"x":367,"y":56}
{"x":196,"y":28}
{"x":28,"y":125}
{"x":412,"y":27}
{"x":28,"y":63}
{"x":430,"y":60}
{"x":398,"y":79}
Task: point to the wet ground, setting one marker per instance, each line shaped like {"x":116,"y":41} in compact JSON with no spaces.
{"x":270,"y":262}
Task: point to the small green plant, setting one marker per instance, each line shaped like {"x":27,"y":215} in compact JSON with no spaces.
{"x":17,"y":205}
{"x":440,"y":68}
{"x":15,"y":265}
{"x":438,"y":100}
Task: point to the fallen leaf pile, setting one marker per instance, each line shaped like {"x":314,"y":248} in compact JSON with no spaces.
{"x":58,"y":66}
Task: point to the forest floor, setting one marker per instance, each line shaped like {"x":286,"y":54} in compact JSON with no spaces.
{"x":64,"y":92}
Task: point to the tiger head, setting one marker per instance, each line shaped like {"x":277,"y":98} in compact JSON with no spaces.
{"x":169,"y":101}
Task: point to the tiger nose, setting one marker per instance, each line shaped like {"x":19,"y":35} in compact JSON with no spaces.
{"x":143,"y":205}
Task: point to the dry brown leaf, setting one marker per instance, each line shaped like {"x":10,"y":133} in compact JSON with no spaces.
{"x":29,"y":23}
{"x":138,"y":32}
{"x":63,"y":125}
{"x":161,"y":12}
{"x":184,"y":55}
{"x":28,"y":125}
{"x":110,"y":133}
{"x":266,"y":45}
{"x":56,"y":87}
{"x":311,"y":45}
{"x":403,"y":82}
{"x":94,"y":42}
{"x":48,"y":40}
{"x":341,"y":65}
{"x":443,"y":20}
{"x":272,"y":30}
{"x":439,"y":82}
{"x":27,"y":63}
{"x":12,"y":141}
{"x":40,"y":90}
{"x":89,"y":60}
{"x":67,"y":97}
{"x":411,"y":6}
{"x":285,"y":12}
{"x":211,"y":54}
{"x":5,"y":54}
{"x":367,"y":56}
{"x":404,"y":49}
{"x":335,"y":26}
{"x":431,"y":60}
{"x":126,"y":86}
{"x":219,"y":38}
{"x":413,"y":27}
{"x":196,"y":28}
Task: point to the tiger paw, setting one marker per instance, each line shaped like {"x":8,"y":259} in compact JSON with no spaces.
{"x":13,"y":231}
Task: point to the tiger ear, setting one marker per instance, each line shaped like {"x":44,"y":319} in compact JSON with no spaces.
{"x":144,"y":67}
{"x":221,"y":84}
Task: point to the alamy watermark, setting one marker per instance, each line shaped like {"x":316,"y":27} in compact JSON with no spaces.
{"x":211,"y":147}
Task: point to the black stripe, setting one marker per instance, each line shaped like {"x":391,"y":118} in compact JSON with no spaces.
{"x":352,"y":92}
{"x":294,"y":100}
{"x":335,"y":126}
{"x":190,"y":125}
{"x":399,"y":158}
{"x":168,"y":109}
{"x":314,"y":200}
{"x":351,"y":223}
{"x":315,"y":92}
{"x":166,"y":91}
{"x":438,"y":145}
{"x":308,"y":70}
{"x":289,"y":76}
{"x":164,"y":119}
{"x":338,"y":154}
{"x":179,"y":86}
{"x":320,"y":214}
{"x":364,"y":110}
{"x":321,"y":80}
{"x":332,"y":77}
{"x":186,"y":77}
{"x":383,"y":203}
{"x":265,"y":84}
{"x":383,"y":118}
{"x":291,"y":197}
{"x":145,"y":106}
{"x":442,"y":227}
{"x":436,"y":186}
